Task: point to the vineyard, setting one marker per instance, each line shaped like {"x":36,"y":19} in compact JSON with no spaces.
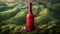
{"x":13,"y":17}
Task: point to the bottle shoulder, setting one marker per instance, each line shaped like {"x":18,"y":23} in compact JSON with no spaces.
{"x":30,"y":14}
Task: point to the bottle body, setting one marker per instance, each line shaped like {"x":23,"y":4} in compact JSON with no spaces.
{"x":29,"y":21}
{"x":29,"y":18}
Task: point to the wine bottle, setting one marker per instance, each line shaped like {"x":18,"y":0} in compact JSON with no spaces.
{"x":29,"y":18}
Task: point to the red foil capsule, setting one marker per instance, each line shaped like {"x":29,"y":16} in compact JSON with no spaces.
{"x":29,"y":18}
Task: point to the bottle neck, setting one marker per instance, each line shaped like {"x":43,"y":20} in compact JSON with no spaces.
{"x":30,"y":11}
{"x":30,"y":7}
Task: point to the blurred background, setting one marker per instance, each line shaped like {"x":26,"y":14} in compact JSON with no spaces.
{"x":14,"y":12}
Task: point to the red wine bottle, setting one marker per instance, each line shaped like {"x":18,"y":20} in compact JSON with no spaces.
{"x":29,"y":18}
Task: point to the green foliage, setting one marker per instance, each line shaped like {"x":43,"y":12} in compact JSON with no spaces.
{"x":14,"y":14}
{"x":44,"y":29}
{"x":51,"y":26}
{"x":57,"y":32}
